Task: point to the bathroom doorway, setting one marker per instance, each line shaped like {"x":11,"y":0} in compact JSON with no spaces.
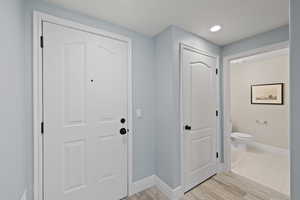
{"x":256,"y":100}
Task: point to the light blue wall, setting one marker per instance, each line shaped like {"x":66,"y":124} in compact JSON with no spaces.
{"x":165,"y":147}
{"x":155,"y":91}
{"x":295,"y":97}
{"x":263,"y":39}
{"x":12,"y":108}
{"x":143,"y":86}
{"x":167,"y":102}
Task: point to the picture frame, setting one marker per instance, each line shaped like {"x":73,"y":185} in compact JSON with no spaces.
{"x":267,"y":94}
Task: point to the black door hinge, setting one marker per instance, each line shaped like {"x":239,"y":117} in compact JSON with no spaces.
{"x":42,"y":42}
{"x":217,"y":113}
{"x":217,"y":154}
{"x":42,"y":127}
{"x":217,"y":71}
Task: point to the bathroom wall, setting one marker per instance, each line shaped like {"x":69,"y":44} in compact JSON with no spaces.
{"x":276,"y":36}
{"x":250,"y":118}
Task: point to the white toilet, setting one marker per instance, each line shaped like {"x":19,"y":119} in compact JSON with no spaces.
{"x":241,"y":140}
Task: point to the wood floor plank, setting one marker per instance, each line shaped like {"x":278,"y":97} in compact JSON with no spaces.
{"x":224,"y":186}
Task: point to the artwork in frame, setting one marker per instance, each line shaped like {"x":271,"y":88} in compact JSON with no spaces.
{"x":271,"y":94}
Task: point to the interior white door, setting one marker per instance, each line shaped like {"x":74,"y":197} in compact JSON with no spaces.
{"x":85,"y":91}
{"x":199,"y":116}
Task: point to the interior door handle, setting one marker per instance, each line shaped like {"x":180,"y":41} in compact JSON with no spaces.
{"x":123,"y":131}
{"x":187,"y":127}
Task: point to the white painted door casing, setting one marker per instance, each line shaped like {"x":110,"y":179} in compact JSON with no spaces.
{"x":85,"y":88}
{"x":199,"y":103}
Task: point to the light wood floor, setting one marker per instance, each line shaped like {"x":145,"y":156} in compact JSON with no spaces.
{"x":225,"y":186}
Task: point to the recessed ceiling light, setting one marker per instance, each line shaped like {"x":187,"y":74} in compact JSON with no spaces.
{"x":215,"y":28}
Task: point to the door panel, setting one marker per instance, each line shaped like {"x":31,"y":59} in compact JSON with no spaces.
{"x":74,"y":155}
{"x":85,"y":90}
{"x":200,"y":145}
{"x":201,"y":99}
{"x":74,"y":75}
{"x":199,"y":108}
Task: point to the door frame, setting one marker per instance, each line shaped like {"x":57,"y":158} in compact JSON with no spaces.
{"x":227,"y":92}
{"x":38,"y":18}
{"x":183,"y":46}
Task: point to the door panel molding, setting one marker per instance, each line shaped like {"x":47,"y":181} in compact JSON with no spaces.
{"x":38,"y":19}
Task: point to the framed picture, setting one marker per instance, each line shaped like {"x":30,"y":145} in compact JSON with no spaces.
{"x":271,"y":94}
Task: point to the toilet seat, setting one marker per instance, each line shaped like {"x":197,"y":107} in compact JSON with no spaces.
{"x":242,"y":138}
{"x":240,"y":135}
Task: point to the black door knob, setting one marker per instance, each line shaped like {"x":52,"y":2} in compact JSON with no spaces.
{"x":187,"y":127}
{"x":123,"y":131}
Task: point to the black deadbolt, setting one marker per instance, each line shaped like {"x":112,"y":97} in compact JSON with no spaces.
{"x":123,"y":131}
{"x":123,"y":120}
{"x":187,"y":127}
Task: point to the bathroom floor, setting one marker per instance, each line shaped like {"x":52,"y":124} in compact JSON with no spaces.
{"x":269,"y":169}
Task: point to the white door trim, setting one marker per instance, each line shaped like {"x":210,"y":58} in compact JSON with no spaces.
{"x":218,"y":103}
{"x":226,"y":94}
{"x":38,"y":18}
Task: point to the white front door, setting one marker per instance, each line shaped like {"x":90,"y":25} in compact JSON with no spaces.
{"x":199,"y":116}
{"x":85,"y":90}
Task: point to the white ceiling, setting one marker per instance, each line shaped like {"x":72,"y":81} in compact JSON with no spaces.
{"x":239,"y":18}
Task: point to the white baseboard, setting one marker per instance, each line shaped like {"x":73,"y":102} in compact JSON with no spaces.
{"x":269,"y":148}
{"x":24,"y":195}
{"x":145,"y":183}
{"x":142,"y":184}
{"x":221,"y":167}
{"x":172,"y":194}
